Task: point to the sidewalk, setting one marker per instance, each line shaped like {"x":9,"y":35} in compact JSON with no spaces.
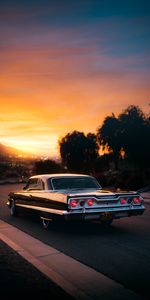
{"x":146,"y":197}
{"x":18,"y":277}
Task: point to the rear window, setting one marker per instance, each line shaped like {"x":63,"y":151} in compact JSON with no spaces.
{"x":75,"y":183}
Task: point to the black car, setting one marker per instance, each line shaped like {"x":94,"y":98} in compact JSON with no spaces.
{"x":74,"y":197}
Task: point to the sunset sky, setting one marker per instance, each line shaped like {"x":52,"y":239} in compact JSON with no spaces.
{"x":66,"y":65}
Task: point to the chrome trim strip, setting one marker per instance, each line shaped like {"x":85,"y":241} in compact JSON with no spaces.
{"x":45,"y":209}
{"x":81,"y":211}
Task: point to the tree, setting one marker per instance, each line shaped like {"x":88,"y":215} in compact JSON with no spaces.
{"x":47,"y":167}
{"x":79,"y":151}
{"x":109,"y":136}
{"x":135,"y":130}
{"x":129,"y":132}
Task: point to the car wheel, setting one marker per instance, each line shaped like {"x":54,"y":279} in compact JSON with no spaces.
{"x":13,"y":210}
{"x":45,"y":223}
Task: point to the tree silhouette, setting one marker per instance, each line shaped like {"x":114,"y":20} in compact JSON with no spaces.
{"x":47,"y":167}
{"x":109,"y":136}
{"x":129,"y":132}
{"x":79,"y":151}
{"x":135,"y":130}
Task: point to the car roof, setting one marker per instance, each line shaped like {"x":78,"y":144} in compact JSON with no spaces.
{"x":46,"y":176}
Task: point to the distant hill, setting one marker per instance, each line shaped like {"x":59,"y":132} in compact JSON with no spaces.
{"x":6,"y":151}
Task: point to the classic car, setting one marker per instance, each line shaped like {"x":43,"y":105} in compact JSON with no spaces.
{"x":74,"y":197}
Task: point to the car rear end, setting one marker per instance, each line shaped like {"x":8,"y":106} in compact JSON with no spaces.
{"x":103,"y":207}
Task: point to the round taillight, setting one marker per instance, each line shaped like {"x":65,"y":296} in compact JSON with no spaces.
{"x":123,"y":201}
{"x":82,"y":202}
{"x":136,"y":200}
{"x":73,"y":203}
{"x":90,"y":202}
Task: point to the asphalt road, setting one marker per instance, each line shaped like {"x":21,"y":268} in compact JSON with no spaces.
{"x":121,"y":251}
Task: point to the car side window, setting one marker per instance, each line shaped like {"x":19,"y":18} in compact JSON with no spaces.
{"x":40,"y":185}
{"x":34,"y":184}
{"x":49,"y":184}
